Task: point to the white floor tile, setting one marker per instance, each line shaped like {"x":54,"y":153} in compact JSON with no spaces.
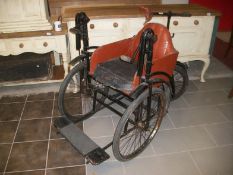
{"x":98,"y":127}
{"x":175,"y":164}
{"x":106,"y":168}
{"x":207,"y":98}
{"x":227,"y":110}
{"x":222,"y":132}
{"x":216,"y":161}
{"x":191,"y":86}
{"x":214,"y":84}
{"x":177,"y":104}
{"x":166,"y":123}
{"x":183,"y":139}
{"x":197,"y":116}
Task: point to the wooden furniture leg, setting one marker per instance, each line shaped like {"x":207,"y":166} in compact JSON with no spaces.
{"x":230,"y":45}
{"x":231,"y":93}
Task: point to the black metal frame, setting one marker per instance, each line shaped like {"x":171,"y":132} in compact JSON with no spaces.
{"x":145,"y":55}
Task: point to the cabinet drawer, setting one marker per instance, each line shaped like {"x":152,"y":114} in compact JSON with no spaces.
{"x":45,"y":43}
{"x":184,"y":22}
{"x":100,"y":40}
{"x":106,"y":27}
{"x":20,"y":45}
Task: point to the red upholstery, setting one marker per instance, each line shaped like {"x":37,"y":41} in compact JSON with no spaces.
{"x":164,"y":54}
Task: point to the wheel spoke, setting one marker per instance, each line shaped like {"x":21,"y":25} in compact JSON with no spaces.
{"x":138,"y":130}
{"x":128,"y":142}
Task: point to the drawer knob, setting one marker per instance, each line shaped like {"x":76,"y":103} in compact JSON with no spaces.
{"x":175,"y":23}
{"x":45,"y":44}
{"x":115,"y":24}
{"x":21,"y":45}
{"x":196,"y":22}
{"x":92,"y":26}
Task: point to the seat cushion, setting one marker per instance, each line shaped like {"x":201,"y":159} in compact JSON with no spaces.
{"x":116,"y":73}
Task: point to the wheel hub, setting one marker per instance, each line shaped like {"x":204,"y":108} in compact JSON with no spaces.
{"x":141,"y":125}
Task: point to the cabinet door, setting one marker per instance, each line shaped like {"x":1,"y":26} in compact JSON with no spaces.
{"x":187,"y":42}
{"x":192,"y":35}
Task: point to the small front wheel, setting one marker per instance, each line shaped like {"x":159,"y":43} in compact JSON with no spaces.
{"x":69,"y":97}
{"x":180,"y":81}
{"x":136,"y":128}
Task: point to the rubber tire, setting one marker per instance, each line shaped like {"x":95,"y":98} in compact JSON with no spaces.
{"x":63,"y":87}
{"x":121,"y":124}
{"x":167,"y":91}
{"x":62,"y":91}
{"x":181,"y":70}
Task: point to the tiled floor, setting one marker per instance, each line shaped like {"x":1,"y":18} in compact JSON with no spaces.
{"x":196,"y":137}
{"x":29,"y":144}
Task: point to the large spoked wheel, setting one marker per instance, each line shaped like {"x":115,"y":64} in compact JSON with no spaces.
{"x":70,"y":100}
{"x":180,"y":80}
{"x":134,"y":131}
{"x":167,"y":92}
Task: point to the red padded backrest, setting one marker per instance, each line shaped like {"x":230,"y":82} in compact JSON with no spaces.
{"x":162,"y":47}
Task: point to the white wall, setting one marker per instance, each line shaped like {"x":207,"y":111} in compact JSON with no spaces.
{"x":175,"y":1}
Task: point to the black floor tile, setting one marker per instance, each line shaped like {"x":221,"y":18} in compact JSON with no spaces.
{"x":7,"y":131}
{"x":78,"y":170}
{"x":38,"y":109}
{"x":67,"y":95}
{"x":44,"y":96}
{"x":39,"y":172}
{"x":28,"y":156}
{"x":10,"y":111}
{"x":56,"y":112}
{"x":54,"y":132}
{"x":61,"y":153}
{"x":4,"y":153}
{"x":73,"y":105}
{"x":29,"y":130}
{"x":10,"y":99}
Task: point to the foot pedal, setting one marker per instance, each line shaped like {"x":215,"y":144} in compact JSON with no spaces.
{"x":97,"y":156}
{"x":87,"y":147}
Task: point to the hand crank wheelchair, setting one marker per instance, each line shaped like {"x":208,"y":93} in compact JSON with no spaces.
{"x":138,"y":74}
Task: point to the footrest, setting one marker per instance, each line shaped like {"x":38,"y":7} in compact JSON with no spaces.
{"x":87,"y":147}
{"x":97,"y":156}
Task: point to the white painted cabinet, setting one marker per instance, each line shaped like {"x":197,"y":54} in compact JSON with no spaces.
{"x":36,"y":44}
{"x":24,"y":15}
{"x":192,"y":35}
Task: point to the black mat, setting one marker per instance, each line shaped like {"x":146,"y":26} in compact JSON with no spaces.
{"x":25,"y":66}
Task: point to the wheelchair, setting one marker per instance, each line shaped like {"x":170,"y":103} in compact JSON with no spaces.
{"x":135,"y":78}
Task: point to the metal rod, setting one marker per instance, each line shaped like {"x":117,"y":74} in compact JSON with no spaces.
{"x":120,"y":103}
{"x":109,"y":107}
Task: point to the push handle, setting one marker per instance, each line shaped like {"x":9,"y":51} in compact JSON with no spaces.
{"x":170,"y":13}
{"x":75,"y":30}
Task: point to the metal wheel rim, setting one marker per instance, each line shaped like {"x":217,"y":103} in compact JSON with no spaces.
{"x":138,"y":136}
